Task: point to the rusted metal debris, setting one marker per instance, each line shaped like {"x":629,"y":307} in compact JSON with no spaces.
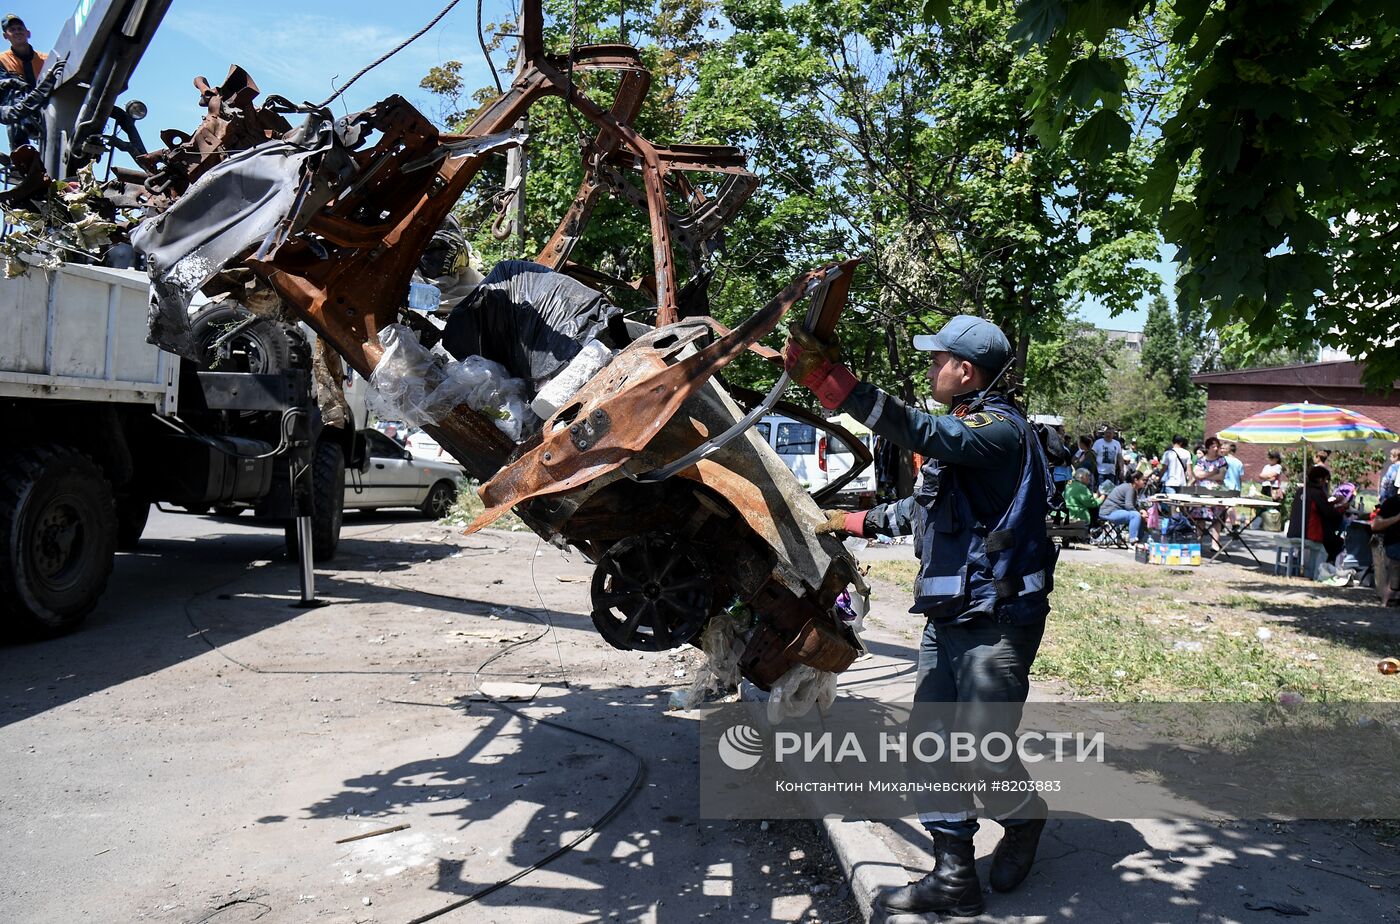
{"x":337,"y":237}
{"x":231,"y":123}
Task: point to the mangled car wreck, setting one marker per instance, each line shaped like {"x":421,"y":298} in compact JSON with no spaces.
{"x":645,"y":462}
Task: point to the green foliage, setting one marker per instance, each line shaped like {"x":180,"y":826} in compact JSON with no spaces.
{"x":1067,"y":370}
{"x":1274,"y":173}
{"x":873,"y":133}
{"x":1143,"y":407}
{"x":1360,"y":466}
{"x":1237,"y":347}
{"x":1076,"y":372}
{"x":1167,"y":353}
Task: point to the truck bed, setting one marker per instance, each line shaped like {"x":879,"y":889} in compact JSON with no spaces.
{"x":79,"y":333}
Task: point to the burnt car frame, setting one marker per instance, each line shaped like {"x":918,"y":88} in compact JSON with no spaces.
{"x":652,"y":469}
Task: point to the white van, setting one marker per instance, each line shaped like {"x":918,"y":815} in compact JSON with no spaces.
{"x":818,"y":458}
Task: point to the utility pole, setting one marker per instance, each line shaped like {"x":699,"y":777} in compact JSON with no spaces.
{"x":516,"y":168}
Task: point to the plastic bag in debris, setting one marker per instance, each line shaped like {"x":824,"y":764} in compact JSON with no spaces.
{"x":529,"y":319}
{"x":794,"y":693}
{"x":720,"y":674}
{"x":418,"y":387}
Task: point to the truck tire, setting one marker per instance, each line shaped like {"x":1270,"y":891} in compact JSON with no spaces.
{"x":327,"y":503}
{"x":132,"y":513}
{"x":58,"y":532}
{"x":264,"y":346}
{"x":439,"y":500}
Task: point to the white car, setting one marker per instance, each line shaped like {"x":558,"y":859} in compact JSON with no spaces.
{"x":423,"y":446}
{"x":817,"y":460}
{"x":399,"y":477}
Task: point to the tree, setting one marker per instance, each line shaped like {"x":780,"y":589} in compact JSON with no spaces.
{"x":1067,"y":374}
{"x":876,"y":134}
{"x":1166,"y":352}
{"x":1275,"y":174}
{"x":1141,"y":405}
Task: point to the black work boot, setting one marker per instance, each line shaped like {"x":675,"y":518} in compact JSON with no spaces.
{"x":1014,"y":855}
{"x":951,"y":889}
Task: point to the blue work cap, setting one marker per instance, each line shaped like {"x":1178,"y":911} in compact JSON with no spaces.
{"x":978,"y":341}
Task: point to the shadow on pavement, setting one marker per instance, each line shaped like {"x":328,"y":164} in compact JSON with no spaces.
{"x":143,"y":622}
{"x":1175,"y":872}
{"x":517,"y":790}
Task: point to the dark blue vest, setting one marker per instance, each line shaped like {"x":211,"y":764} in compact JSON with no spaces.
{"x":968,"y":567}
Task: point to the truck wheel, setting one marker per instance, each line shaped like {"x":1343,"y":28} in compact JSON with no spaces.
{"x":132,"y":513}
{"x":439,"y":500}
{"x":58,"y":531}
{"x":264,"y":346}
{"x":327,"y":502}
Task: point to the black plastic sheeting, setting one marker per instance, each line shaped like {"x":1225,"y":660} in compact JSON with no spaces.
{"x":528,"y":318}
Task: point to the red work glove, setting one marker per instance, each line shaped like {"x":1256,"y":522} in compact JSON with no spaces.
{"x":817,"y":366}
{"x":842,"y":521}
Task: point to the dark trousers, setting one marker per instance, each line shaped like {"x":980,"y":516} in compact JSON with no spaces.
{"x":980,"y":661}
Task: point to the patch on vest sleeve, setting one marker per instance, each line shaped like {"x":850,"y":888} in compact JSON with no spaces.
{"x":982,"y":419}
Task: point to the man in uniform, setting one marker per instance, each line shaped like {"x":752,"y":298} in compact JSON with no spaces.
{"x":986,"y":571}
{"x":21,"y":94}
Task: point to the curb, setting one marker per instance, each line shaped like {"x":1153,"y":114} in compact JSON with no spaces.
{"x":867,"y":862}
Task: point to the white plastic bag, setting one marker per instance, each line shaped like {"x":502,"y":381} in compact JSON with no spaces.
{"x":418,"y":387}
{"x":794,"y":693}
{"x":720,"y":673}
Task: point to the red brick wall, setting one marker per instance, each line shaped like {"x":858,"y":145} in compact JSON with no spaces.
{"x":1229,"y":404}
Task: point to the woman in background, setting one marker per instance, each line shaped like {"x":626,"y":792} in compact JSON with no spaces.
{"x":1271,"y":475}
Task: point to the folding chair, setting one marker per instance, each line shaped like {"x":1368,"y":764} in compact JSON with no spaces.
{"x":1106,"y":534}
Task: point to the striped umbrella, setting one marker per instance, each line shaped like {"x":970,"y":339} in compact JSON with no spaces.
{"x":1305,"y":425}
{"x":1319,"y":425}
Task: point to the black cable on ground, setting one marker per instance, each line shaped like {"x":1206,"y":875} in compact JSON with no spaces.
{"x":639,"y":768}
{"x":389,"y":54}
{"x":638,"y":777}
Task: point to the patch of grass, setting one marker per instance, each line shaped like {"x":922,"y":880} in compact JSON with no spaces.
{"x":469,"y":506}
{"x":1242,"y":602}
{"x":899,"y":573}
{"x":1132,"y":633}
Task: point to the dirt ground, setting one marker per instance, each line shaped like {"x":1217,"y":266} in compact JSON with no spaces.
{"x":199,"y":749}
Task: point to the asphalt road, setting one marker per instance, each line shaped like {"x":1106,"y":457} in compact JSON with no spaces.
{"x":195,"y":751}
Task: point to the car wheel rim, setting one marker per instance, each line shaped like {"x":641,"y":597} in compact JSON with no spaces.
{"x":651,"y":593}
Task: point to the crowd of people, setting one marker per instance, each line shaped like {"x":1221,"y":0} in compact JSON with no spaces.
{"x":1105,"y":478}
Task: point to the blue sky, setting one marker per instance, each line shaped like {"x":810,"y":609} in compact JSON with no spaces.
{"x":295,"y":49}
{"x":304,"y":50}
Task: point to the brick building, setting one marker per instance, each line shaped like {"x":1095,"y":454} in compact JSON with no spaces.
{"x":1233,"y":396}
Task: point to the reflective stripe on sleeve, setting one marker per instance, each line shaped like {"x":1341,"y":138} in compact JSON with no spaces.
{"x":1034,"y":583}
{"x":941,"y":586}
{"x":926,"y":817}
{"x":877,"y":410}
